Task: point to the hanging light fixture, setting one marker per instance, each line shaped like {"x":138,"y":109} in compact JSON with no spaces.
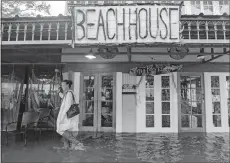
{"x":200,"y":56}
{"x":90,"y":55}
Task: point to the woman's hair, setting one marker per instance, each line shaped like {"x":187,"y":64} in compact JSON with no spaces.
{"x":68,"y":82}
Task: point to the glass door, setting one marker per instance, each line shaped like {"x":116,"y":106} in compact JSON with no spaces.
{"x":97,"y":102}
{"x":106,"y":102}
{"x":191,"y":112}
{"x":88,"y":102}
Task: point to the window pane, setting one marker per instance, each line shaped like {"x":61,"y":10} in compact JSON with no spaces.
{"x":195,"y":94}
{"x":149,"y":107}
{"x":185,"y":82}
{"x":185,"y":121}
{"x":106,"y":120}
{"x":89,"y":107}
{"x":195,"y":5}
{"x":149,"y":82}
{"x":185,"y":93}
{"x":149,"y":95}
{"x":224,"y":6}
{"x":149,"y":120}
{"x":197,"y":108}
{"x":165,"y":95}
{"x":185,"y":107}
{"x":215,"y":95}
{"x":87,"y":119}
{"x":165,"y":107}
{"x":215,"y":81}
{"x":89,"y":93}
{"x":107,"y":107}
{"x":106,"y":93}
{"x":216,"y":108}
{"x":195,"y":81}
{"x":217,"y":120}
{"x":165,"y":120}
{"x":196,"y":121}
{"x":165,"y":82}
{"x":107,"y":81}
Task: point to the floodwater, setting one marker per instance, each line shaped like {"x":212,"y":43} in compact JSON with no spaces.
{"x":183,"y":147}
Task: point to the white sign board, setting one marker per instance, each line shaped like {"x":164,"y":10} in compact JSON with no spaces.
{"x":126,"y":24}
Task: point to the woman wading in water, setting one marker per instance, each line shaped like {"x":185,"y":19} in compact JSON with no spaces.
{"x":68,"y":127}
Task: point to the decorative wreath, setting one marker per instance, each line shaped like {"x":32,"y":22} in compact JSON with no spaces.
{"x":181,"y":52}
{"x":107,"y":53}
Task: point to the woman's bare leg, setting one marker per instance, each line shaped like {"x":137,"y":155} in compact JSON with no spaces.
{"x":66,"y":143}
{"x":69,"y":136}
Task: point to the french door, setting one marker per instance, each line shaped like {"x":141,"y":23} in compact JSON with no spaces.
{"x":97,"y":102}
{"x":191,"y":102}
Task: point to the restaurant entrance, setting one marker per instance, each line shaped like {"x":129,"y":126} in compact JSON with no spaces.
{"x":97,"y":102}
{"x":191,"y":108}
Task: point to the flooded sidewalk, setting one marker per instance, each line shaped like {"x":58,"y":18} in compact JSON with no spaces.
{"x":183,"y":147}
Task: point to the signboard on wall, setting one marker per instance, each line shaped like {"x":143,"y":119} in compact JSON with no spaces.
{"x":155,"y":69}
{"x":129,"y":24}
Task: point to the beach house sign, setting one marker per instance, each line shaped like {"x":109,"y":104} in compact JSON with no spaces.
{"x":126,"y":24}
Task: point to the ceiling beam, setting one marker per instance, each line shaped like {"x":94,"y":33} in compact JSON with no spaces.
{"x":119,"y":53}
{"x":189,"y":45}
{"x":26,"y":63}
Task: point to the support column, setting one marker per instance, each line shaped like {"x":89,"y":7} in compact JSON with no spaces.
{"x":140,"y":105}
{"x":118,"y":102}
{"x":76,"y":87}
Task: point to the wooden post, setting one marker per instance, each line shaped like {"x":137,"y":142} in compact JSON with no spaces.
{"x":9,"y":31}
{"x":66,"y":28}
{"x":58,"y":25}
{"x":49,"y":30}
{"x":41,"y":30}
{"x":22,"y":102}
{"x":206,"y":29}
{"x":189,"y":30}
{"x":25,"y":31}
{"x":17,"y":31}
{"x":198,"y":29}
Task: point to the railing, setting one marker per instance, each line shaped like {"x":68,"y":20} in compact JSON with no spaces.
{"x":48,"y":30}
{"x":57,"y":30}
{"x":205,"y":30}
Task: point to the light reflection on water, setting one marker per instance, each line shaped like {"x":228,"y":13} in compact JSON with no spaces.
{"x":189,"y":147}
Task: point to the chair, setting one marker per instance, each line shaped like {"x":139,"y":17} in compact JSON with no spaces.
{"x":29,"y":120}
{"x":43,"y":122}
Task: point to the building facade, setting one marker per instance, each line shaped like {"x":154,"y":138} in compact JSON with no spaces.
{"x":195,"y":36}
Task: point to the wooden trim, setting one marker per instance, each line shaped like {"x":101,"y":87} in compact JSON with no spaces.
{"x":197,"y":42}
{"x":37,"y":42}
{"x":114,"y":101}
{"x":203,"y":41}
{"x":97,"y":54}
{"x":119,"y":103}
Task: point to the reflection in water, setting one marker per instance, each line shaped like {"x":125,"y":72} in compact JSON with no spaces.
{"x":192,"y":147}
